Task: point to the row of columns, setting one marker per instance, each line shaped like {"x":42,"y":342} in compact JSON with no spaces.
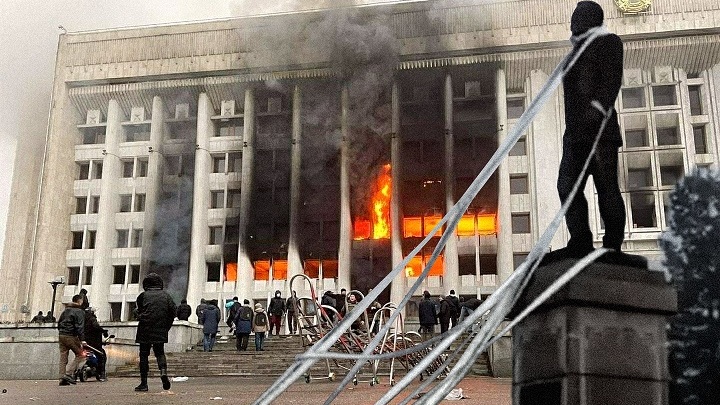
{"x":201,"y":204}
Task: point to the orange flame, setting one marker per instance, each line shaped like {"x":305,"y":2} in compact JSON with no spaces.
{"x":381,"y":205}
{"x":378,"y":227}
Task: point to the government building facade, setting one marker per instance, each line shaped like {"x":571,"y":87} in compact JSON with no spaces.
{"x":229,"y":156}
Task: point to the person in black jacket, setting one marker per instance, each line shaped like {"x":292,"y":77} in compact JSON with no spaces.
{"x":243,"y":325}
{"x":592,"y":84}
{"x":291,"y":305}
{"x":183,"y":311}
{"x":446,"y":310}
{"x":276,"y":309}
{"x":71,"y":336}
{"x":427,"y":314}
{"x":94,"y":334}
{"x":156,"y":312}
{"x":455,"y":301}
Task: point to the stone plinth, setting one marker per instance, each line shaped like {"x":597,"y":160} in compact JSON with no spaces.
{"x":600,"y":340}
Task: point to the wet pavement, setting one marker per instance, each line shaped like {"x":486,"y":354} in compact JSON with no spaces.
{"x":228,"y":390}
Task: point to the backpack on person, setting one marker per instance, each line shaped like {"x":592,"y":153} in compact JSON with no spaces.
{"x":245,"y":314}
{"x":261,"y":319}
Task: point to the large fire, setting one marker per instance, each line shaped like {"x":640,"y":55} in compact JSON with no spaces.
{"x":378,"y":227}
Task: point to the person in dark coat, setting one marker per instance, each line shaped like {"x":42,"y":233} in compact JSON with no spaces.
{"x":156,"y":312}
{"x":592,"y":83}
{"x":277,"y":311}
{"x":455,"y":301}
{"x":340,"y":302}
{"x":328,"y":300}
{"x":243,"y":325}
{"x":210,"y":319}
{"x":291,"y":305}
{"x":232,"y":311}
{"x":94,"y":334}
{"x":85,"y":304}
{"x":446,"y":309}
{"x":39,"y":318}
{"x":200,"y":308}
{"x":71,"y":336}
{"x":427,"y":314}
{"x":467,"y":307}
{"x":183,"y":311}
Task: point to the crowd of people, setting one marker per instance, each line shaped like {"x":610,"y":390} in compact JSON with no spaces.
{"x":78,"y":327}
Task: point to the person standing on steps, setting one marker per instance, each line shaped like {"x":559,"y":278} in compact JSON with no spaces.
{"x":291,"y":305}
{"x":210,"y":319}
{"x":260,"y":326}
{"x":277,"y":311}
{"x":243,"y":326}
{"x":155,"y":314}
{"x":455,"y":313}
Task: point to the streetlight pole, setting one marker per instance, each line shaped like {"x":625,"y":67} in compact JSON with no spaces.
{"x":54,"y":285}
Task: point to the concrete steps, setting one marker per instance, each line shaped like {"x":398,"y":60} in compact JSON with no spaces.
{"x":279,"y":354}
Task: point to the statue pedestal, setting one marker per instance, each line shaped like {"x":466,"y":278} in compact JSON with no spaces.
{"x":601,"y":340}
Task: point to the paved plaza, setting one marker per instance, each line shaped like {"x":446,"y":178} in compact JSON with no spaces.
{"x":218,"y":390}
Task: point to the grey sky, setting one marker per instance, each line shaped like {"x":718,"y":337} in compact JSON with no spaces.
{"x":28,"y":42}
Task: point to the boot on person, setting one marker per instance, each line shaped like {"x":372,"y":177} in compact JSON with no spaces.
{"x":165,"y":379}
{"x":143,"y":383}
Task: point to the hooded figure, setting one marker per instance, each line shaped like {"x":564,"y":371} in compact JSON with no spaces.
{"x":592,"y":83}
{"x":156,"y":312}
{"x":276,"y":310}
{"x":210,"y":319}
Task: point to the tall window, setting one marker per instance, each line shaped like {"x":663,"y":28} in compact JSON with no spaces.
{"x":139,"y":202}
{"x":87,"y":280}
{"x":119,"y":274}
{"x":122,"y":238}
{"x":137,"y":236}
{"x":80,"y":205}
{"x":83,"y":170}
{"x":125,"y":202}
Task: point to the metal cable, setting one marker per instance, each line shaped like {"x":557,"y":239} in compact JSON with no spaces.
{"x":303,"y":364}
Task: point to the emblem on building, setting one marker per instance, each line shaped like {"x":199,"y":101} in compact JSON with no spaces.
{"x":633,"y":6}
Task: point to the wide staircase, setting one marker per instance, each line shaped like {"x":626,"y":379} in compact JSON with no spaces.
{"x":279,"y":354}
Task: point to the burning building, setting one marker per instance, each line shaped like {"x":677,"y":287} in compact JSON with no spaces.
{"x":229,"y":156}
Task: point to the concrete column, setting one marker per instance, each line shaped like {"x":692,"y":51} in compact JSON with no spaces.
{"x":544,"y":151}
{"x":294,"y":261}
{"x":201,"y":201}
{"x":105,"y":236}
{"x":344,"y":250}
{"x":399,"y":284}
{"x":504,"y":233}
{"x":451,"y":278}
{"x":153,"y":181}
{"x":599,"y":340}
{"x":246,"y":276}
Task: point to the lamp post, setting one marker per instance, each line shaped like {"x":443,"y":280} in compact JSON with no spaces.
{"x":54,"y":284}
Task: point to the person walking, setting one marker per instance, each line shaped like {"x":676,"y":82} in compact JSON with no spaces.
{"x":446,"y":309}
{"x":291,"y":305}
{"x":200,"y":308}
{"x":467,"y":307}
{"x":276,"y":310}
{"x":210,"y":319}
{"x":71,"y":336}
{"x":232,"y":311}
{"x":94,"y":334}
{"x":243,"y":325}
{"x":427,"y":314}
{"x":156,"y":312}
{"x":183,"y":311}
{"x":455,"y":313}
{"x":260,"y":326}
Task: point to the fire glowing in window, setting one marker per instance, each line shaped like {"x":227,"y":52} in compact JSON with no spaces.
{"x":486,"y":224}
{"x":379,"y":226}
{"x":418,"y":263}
{"x":230,"y":271}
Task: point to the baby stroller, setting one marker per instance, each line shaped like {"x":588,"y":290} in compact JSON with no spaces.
{"x":89,"y":368}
